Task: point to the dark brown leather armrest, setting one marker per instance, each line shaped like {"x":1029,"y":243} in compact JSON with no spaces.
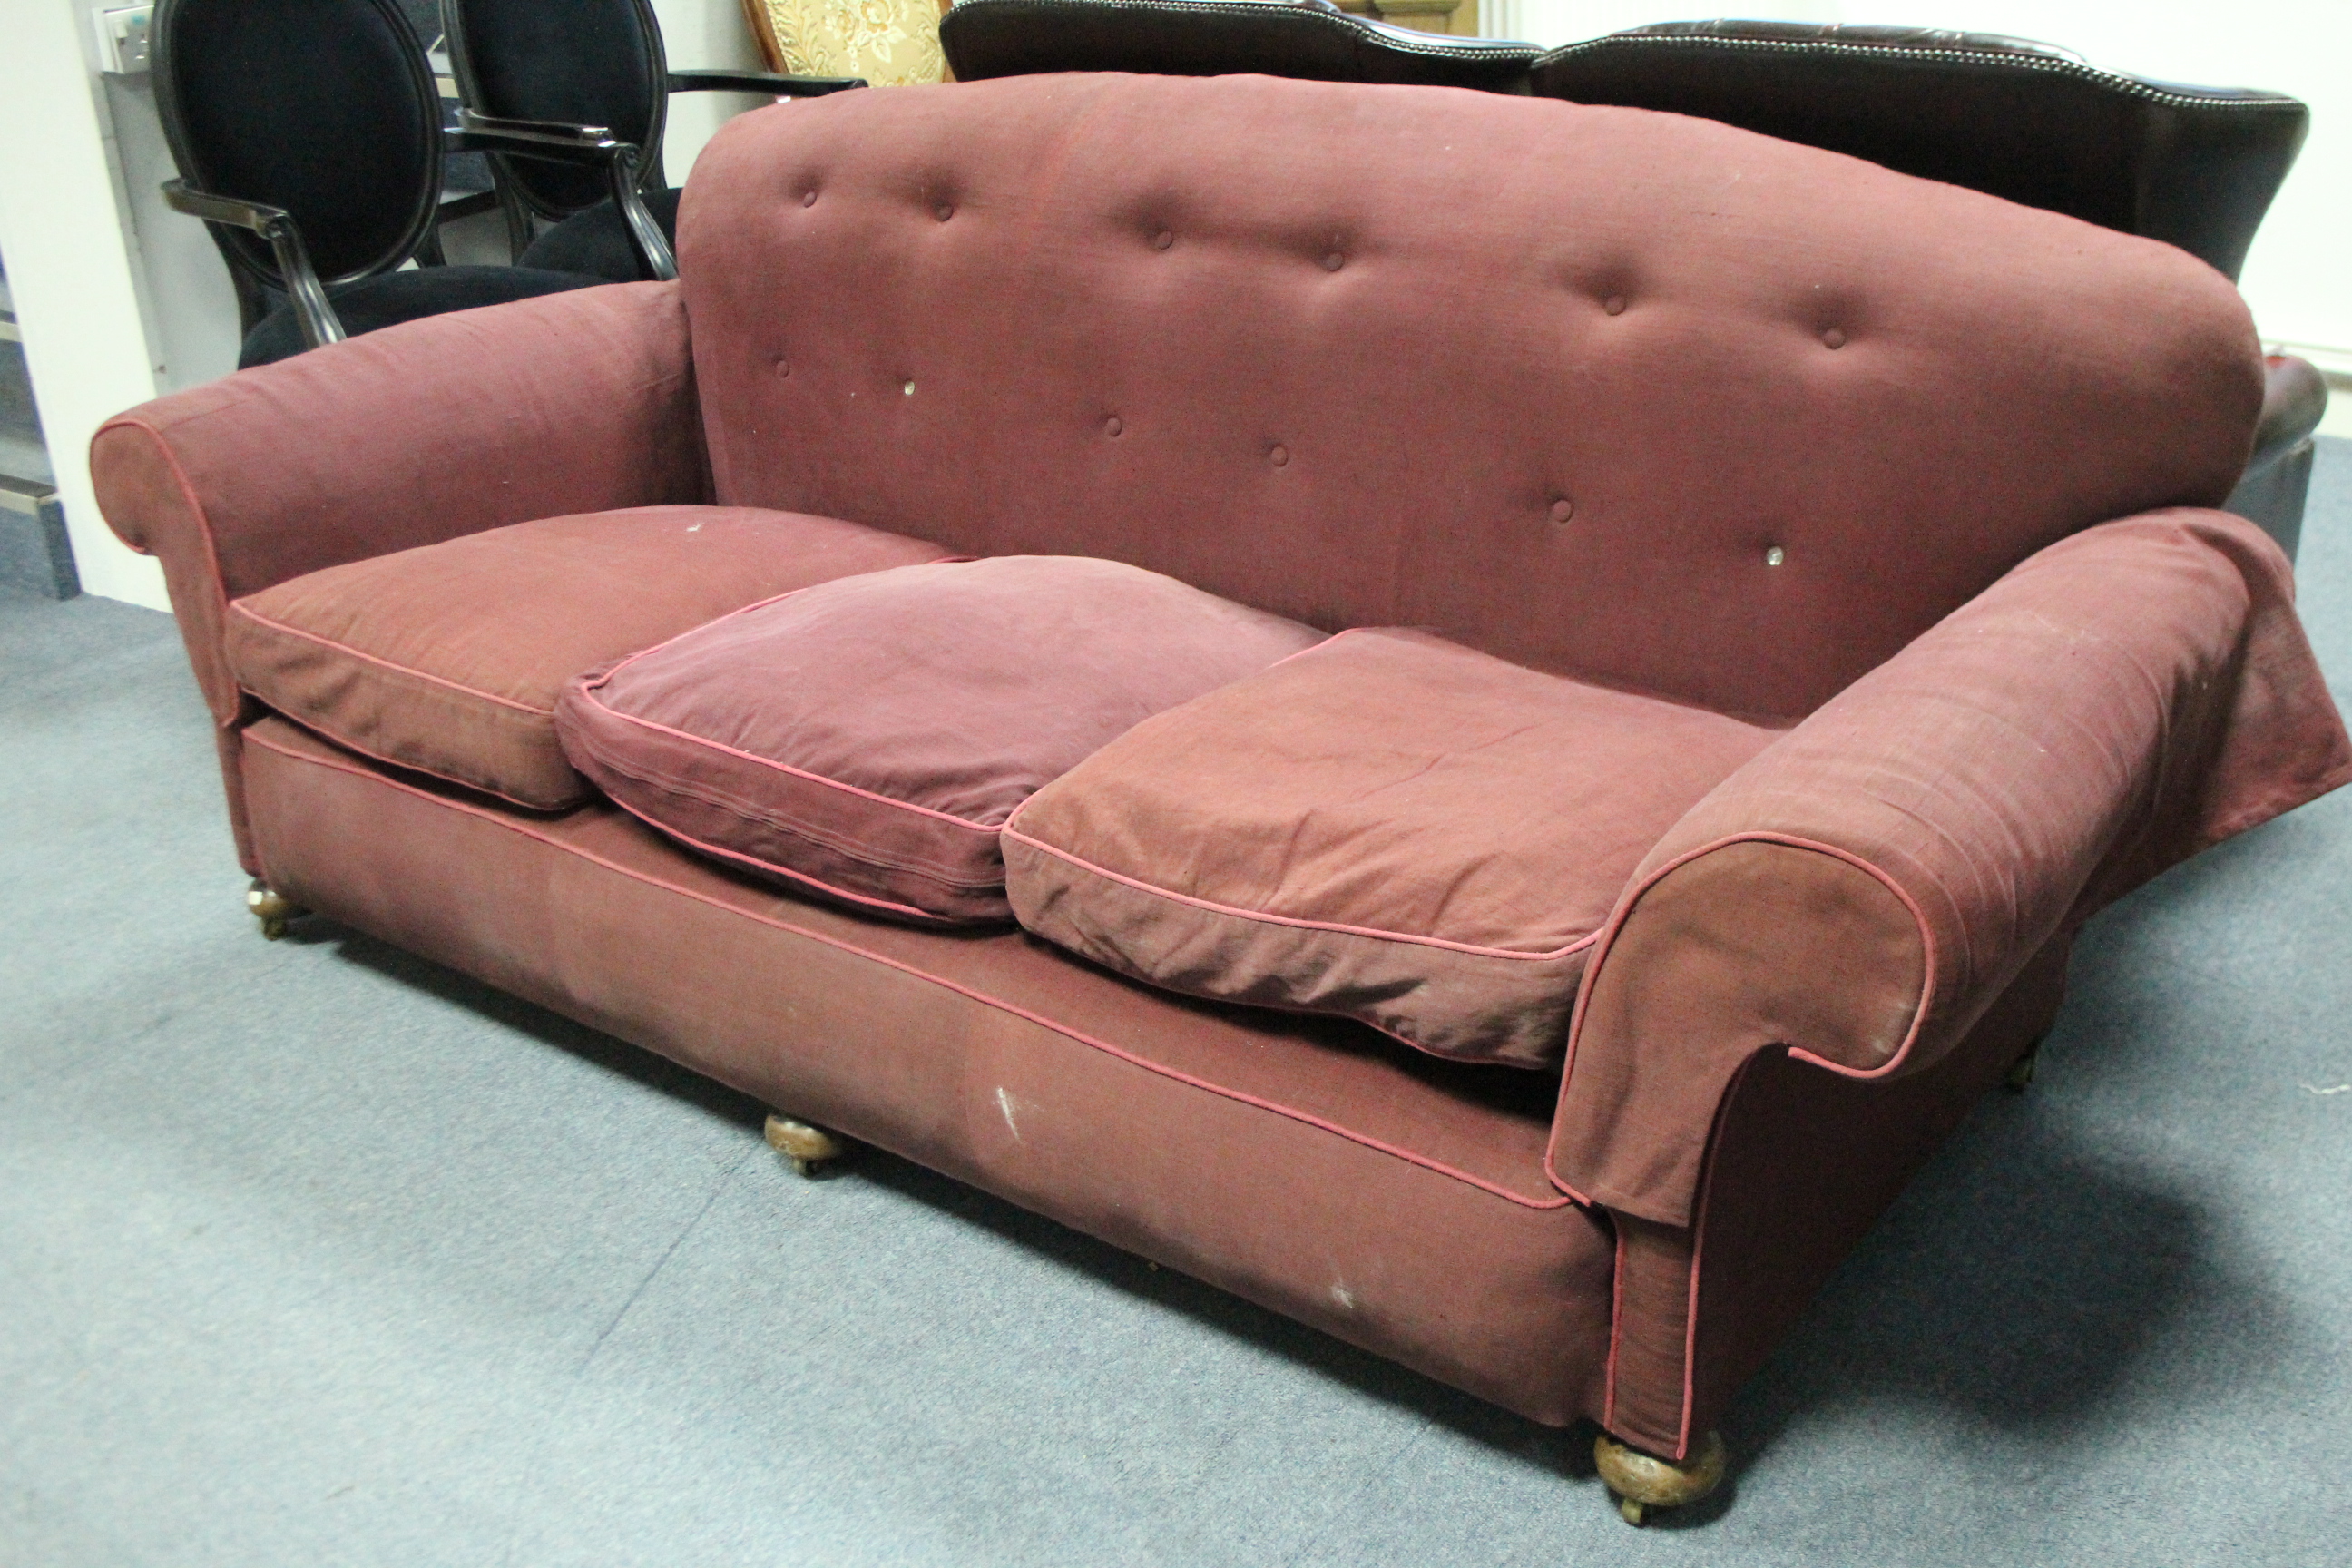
{"x":2294,"y":399}
{"x":2278,"y":475}
{"x":1308,"y":39}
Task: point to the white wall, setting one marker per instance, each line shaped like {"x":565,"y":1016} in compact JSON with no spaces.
{"x":2299,"y":277}
{"x":73,"y":270}
{"x":705,"y":34}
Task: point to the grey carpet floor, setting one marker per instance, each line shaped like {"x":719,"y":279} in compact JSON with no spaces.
{"x":314,"y":1253}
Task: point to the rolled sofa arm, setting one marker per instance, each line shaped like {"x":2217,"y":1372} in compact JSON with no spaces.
{"x":1866,"y":887}
{"x":575,"y":401}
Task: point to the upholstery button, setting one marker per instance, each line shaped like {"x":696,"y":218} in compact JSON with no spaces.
{"x":1562,"y":509}
{"x":1281,"y":456}
{"x":1334,"y":261}
{"x":1834,"y":338}
{"x":1111,"y":426}
{"x":1615,"y":304}
{"x":908,"y":389}
{"x":783,"y":367}
{"x":1162,"y":240}
{"x":1774,"y":555}
{"x":943,"y":212}
{"x":808,"y":198}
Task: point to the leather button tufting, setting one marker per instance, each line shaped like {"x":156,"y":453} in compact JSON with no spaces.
{"x":1111,"y":426}
{"x":1562,"y":509}
{"x":783,"y":367}
{"x":1162,"y":240}
{"x":1774,"y":555}
{"x":909,"y":388}
{"x":943,"y":212}
{"x":1834,"y":338}
{"x":808,"y":198}
{"x":1615,"y":304}
{"x":1281,"y":456}
{"x":1334,"y":261}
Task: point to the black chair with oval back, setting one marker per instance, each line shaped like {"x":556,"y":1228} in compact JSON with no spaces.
{"x":587,"y":63}
{"x":308,"y":135}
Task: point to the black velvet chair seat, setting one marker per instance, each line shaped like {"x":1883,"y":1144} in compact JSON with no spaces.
{"x":390,"y":298}
{"x":595,"y":241}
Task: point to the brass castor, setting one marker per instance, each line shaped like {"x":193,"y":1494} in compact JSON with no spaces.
{"x":1643,"y":1481}
{"x":809,"y":1149}
{"x":271,"y":908}
{"x":2020,"y":1076}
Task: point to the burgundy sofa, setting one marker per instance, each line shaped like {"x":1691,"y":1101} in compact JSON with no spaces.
{"x":1914,"y":482}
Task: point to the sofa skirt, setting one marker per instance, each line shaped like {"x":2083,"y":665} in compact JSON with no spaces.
{"x":1395,"y":1202}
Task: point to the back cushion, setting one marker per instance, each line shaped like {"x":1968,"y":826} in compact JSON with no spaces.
{"x":1627,"y":395}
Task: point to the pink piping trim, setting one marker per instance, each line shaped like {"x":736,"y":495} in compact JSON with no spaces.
{"x":1616,"y":1321}
{"x":1608,"y":935}
{"x":1699,"y":1218}
{"x":203,"y":526}
{"x":1690,"y":1338}
{"x":926,"y":916}
{"x":1042,"y":1021}
{"x":588,"y":694}
{"x":239,"y":607}
{"x":349,"y":745}
{"x":1578,"y":945}
{"x":1690,"y":1332}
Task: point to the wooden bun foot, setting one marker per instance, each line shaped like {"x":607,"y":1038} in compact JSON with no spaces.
{"x":271,"y":908}
{"x":808,"y":1147}
{"x":1644,"y":1482}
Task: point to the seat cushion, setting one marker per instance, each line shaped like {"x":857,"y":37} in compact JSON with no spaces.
{"x":1391,"y":828}
{"x":594,"y":241}
{"x":866,"y":738}
{"x":388,"y":299}
{"x":448,"y":657}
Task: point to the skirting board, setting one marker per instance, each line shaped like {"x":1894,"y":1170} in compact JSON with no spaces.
{"x":34,"y":556}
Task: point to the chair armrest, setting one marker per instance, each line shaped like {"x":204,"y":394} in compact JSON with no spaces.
{"x":2277,"y":481}
{"x":576,"y":402}
{"x":766,"y":82}
{"x":2294,"y":400}
{"x":592,"y":145}
{"x":318,"y":321}
{"x":1866,"y":887}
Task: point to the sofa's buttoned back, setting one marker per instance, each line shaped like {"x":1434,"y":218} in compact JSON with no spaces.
{"x":1630,"y":396}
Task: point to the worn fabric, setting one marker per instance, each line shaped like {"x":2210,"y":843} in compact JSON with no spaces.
{"x":865,"y":741}
{"x":1864,"y":889}
{"x":1551,"y":381}
{"x":1389,"y":826}
{"x":448,"y":657}
{"x":572,"y":402}
{"x":1396,"y":1202}
{"x":1744,"y":423}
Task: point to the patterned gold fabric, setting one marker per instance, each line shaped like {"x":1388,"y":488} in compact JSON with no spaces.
{"x":887,"y":42}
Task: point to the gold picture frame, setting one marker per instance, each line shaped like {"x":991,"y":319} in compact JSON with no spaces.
{"x":890,"y":42}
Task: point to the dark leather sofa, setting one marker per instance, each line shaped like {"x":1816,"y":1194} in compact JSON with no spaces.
{"x":1312,"y":40}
